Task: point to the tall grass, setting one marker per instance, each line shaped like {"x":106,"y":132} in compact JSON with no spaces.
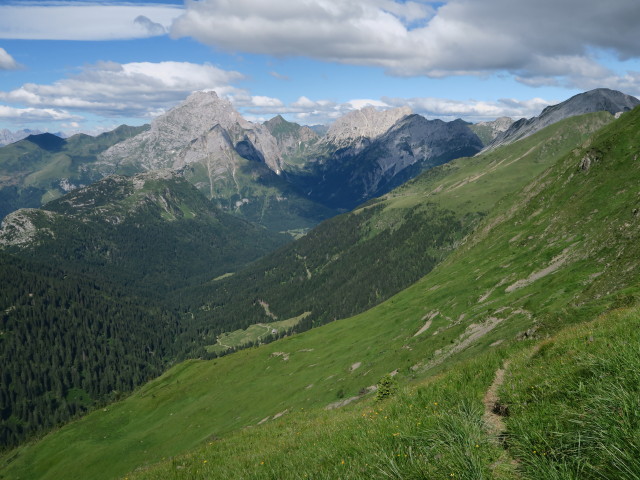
{"x":575,"y":404}
{"x":433,"y":429}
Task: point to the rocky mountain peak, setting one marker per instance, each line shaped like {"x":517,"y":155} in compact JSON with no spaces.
{"x":499,"y":124}
{"x":275,"y":121}
{"x":367,"y":122}
{"x":165,"y":144}
{"x":290,"y":136}
{"x":488,"y":131}
{"x":196,"y":115}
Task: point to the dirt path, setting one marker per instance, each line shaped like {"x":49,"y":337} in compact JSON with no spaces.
{"x":494,"y":411}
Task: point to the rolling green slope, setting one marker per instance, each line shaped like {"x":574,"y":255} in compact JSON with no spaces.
{"x":557,"y":252}
{"x":572,"y":403}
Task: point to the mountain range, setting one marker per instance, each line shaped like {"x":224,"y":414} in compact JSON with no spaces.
{"x":279,"y":174}
{"x":43,"y":167}
{"x":261,"y":172}
{"x":426,"y":331}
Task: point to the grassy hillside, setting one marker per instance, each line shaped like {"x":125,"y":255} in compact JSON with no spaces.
{"x":554,"y":254}
{"x":572,"y":403}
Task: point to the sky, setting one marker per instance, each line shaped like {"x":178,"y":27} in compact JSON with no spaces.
{"x":89,"y":66}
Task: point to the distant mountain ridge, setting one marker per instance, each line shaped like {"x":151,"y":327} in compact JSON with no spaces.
{"x":367,"y":123}
{"x":155,"y":227}
{"x":42,"y":167}
{"x":361,"y":167}
{"x":279,"y":174}
{"x":8,"y":136}
{"x":599,"y":99}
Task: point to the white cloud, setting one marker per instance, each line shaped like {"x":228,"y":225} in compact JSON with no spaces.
{"x":472,"y":110}
{"x":65,"y":20}
{"x":126,"y":90}
{"x":35,"y":114}
{"x":365,"y":102}
{"x":304,"y":102}
{"x":308,"y":111}
{"x":6,"y":61}
{"x":269,"y":102}
{"x":279,"y":76}
{"x":537,"y":41}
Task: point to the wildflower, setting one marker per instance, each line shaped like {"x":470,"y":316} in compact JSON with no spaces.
{"x":262,"y":463}
{"x":205,"y":461}
{"x":477,"y":446}
{"x":396,"y":434}
{"x":342,"y":462}
{"x":435,"y":403}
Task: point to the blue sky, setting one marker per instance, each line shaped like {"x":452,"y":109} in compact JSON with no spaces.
{"x":92,"y":65}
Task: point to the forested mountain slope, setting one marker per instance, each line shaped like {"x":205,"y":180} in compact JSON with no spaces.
{"x":68,"y":343}
{"x":153,"y":232}
{"x":84,"y":283}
